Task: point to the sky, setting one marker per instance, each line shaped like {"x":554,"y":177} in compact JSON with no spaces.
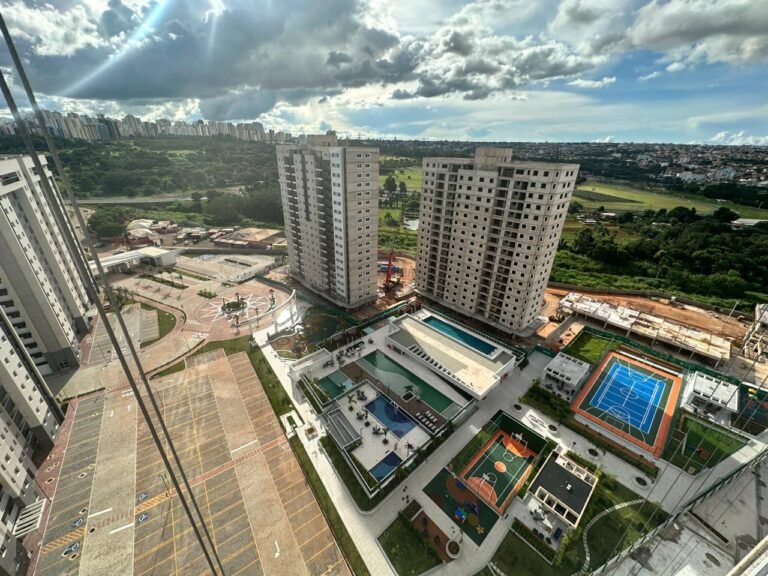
{"x":515,"y":70}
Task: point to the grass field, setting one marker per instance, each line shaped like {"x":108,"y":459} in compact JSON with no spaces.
{"x":715,"y":443}
{"x":572,"y":227}
{"x":589,"y":347}
{"x":623,"y":198}
{"x":411,"y":176}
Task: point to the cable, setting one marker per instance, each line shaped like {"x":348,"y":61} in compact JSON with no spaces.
{"x":56,"y":204}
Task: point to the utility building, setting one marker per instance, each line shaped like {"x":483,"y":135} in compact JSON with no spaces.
{"x":330,"y":198}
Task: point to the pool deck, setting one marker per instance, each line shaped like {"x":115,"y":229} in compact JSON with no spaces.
{"x":373,"y":450}
{"x":475,"y":372}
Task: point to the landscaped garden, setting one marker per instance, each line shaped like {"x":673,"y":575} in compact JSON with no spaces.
{"x":409,"y":552}
{"x":607,"y":537}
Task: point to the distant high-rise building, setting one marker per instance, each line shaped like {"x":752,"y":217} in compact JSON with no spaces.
{"x":489,"y":228}
{"x":330,"y":197}
{"x":42,"y":311}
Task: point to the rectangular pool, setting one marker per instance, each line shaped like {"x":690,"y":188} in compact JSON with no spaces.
{"x":391,"y":416}
{"x":335,"y":384}
{"x":462,"y":336}
{"x":386,"y":466}
{"x":402,"y":381}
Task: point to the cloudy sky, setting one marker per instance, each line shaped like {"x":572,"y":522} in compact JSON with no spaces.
{"x":557,"y":70}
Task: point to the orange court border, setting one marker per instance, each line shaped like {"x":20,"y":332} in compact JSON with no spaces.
{"x":668,"y":409}
{"x":482,"y":489}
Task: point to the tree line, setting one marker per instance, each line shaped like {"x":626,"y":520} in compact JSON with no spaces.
{"x":675,"y":249}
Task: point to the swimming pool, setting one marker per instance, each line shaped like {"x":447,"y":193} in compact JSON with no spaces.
{"x":386,"y":466}
{"x":335,"y":384}
{"x":402,"y":381}
{"x":390,"y":415}
{"x":461,"y":335}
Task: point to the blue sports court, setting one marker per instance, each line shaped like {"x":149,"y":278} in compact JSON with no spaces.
{"x":629,"y":395}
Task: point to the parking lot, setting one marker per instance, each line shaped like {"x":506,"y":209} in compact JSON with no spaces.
{"x":115,"y":510}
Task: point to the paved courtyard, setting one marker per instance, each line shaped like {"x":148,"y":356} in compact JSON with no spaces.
{"x":115,"y":512}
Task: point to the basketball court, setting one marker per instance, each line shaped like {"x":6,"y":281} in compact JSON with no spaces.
{"x":498,"y":471}
{"x":632,"y":397}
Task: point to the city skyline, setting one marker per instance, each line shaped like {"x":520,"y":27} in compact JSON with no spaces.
{"x":485,"y":70}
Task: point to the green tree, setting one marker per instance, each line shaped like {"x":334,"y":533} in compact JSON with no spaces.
{"x":390,"y":185}
{"x":403,"y":188}
{"x":108,"y":221}
{"x":584,"y":242}
{"x":725,"y":214}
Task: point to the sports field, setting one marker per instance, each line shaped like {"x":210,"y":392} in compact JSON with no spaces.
{"x":499,"y":469}
{"x":631,"y":398}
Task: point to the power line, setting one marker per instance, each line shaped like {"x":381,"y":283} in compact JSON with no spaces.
{"x":57,"y":207}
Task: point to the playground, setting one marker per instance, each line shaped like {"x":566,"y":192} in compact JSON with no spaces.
{"x":631,"y":397}
{"x":499,"y":469}
{"x":467,"y":509}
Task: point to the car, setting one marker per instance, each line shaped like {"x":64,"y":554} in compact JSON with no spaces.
{"x":99,"y":245}
{"x":174,"y":242}
{"x":118,"y":251}
{"x":186,"y":242}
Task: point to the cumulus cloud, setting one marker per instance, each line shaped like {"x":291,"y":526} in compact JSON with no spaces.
{"x":740,"y":138}
{"x":579,"y":83}
{"x":240,"y":58}
{"x":604,"y":140}
{"x":651,"y":76}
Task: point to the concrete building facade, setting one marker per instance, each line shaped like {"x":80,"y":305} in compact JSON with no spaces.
{"x":330,"y":198}
{"x":43,"y":303}
{"x":489,"y":228}
{"x":41,"y":288}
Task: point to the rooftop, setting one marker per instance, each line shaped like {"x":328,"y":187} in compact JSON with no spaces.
{"x":251,"y":234}
{"x":567,"y":369}
{"x":713,"y":390}
{"x":475,"y":372}
{"x":566,"y":481}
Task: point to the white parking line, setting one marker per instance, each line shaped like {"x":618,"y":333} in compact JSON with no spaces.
{"x":121,"y":528}
{"x":100,"y":513}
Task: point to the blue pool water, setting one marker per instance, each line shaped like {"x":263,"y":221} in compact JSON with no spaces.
{"x":398,"y":422}
{"x":461,"y":335}
{"x":386,"y":466}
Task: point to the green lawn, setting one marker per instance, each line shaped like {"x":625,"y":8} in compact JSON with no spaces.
{"x":716,"y":443}
{"x":411,"y":176}
{"x":165,"y":320}
{"x":589,"y":347}
{"x":622,"y":198}
{"x":408,"y":552}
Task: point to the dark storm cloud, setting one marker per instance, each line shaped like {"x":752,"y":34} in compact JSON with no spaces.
{"x":118,"y":18}
{"x":336,"y":59}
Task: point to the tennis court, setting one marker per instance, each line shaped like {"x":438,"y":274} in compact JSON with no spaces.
{"x":632,"y":398}
{"x":499,"y":469}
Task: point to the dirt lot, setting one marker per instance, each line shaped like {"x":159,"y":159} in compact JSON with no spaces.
{"x":713,"y":322}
